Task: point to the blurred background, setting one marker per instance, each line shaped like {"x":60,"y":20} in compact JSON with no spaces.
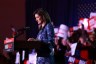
{"x":19,"y":14}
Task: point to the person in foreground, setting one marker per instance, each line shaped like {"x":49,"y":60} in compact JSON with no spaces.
{"x":46,"y":34}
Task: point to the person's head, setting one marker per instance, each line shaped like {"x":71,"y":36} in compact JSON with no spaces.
{"x":92,"y":37}
{"x":41,"y":16}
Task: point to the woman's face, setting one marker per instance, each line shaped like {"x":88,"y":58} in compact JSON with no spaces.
{"x":38,"y":18}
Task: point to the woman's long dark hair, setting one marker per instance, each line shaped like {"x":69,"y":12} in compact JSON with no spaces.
{"x":44,"y":14}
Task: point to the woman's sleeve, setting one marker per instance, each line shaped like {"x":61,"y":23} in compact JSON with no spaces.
{"x":50,"y":34}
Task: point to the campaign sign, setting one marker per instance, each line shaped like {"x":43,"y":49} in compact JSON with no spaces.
{"x":9,"y":44}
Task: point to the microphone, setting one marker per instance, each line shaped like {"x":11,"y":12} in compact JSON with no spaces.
{"x":14,"y":32}
{"x":25,"y":28}
{"x":13,"y":29}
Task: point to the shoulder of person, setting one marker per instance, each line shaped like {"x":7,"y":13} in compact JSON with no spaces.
{"x":49,"y":24}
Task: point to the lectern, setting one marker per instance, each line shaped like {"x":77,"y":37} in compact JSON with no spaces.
{"x":42,"y":48}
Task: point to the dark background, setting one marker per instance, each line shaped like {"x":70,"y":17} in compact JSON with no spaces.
{"x":66,"y":12}
{"x":12,"y":13}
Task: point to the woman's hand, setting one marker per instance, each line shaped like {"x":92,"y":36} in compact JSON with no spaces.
{"x":32,"y":39}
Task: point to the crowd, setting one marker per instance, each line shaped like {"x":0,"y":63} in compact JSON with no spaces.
{"x":74,"y":45}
